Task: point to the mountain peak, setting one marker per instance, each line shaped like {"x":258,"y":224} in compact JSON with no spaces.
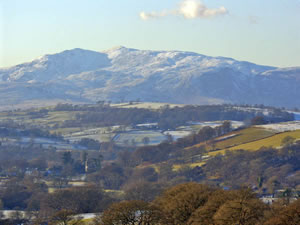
{"x":118,"y":47}
{"x":118,"y":50}
{"x":51,"y":67}
{"x":165,"y":76}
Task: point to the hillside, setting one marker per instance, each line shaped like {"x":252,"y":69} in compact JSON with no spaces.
{"x":123,"y":74}
{"x":252,"y":138}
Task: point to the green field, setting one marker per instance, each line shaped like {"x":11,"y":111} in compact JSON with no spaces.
{"x":56,"y":117}
{"x":50,"y":119}
{"x":244,"y":136}
{"x":274,"y":141}
{"x":65,"y":131}
{"x":238,"y":138}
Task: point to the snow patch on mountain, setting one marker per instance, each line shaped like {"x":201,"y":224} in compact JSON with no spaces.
{"x":57,"y":66}
{"x":123,"y":73}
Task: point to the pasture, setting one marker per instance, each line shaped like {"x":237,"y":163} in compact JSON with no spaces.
{"x":274,"y":141}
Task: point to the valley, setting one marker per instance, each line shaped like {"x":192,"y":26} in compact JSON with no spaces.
{"x":110,"y":149}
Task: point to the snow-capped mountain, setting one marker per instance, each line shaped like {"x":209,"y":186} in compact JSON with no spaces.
{"x":123,"y":74}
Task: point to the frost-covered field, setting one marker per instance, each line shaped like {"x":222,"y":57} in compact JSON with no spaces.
{"x":177,"y":133}
{"x":102,"y":134}
{"x":45,"y":142}
{"x":265,"y":112}
{"x":128,"y":136}
{"x":213,"y":124}
{"x":282,"y":127}
{"x":136,"y":138}
{"x":146,"y":105}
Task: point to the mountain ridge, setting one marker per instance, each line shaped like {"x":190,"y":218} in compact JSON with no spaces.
{"x":124,"y":74}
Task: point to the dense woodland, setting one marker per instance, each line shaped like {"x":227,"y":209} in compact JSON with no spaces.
{"x":224,"y":190}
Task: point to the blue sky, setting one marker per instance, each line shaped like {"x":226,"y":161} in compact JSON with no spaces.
{"x":261,"y":31}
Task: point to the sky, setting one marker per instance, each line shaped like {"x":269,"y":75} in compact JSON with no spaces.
{"x":265,"y":32}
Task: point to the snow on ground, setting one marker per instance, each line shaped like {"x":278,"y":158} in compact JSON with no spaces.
{"x":45,"y":142}
{"x":7,"y":214}
{"x":86,"y":216}
{"x":177,"y":134}
{"x":226,"y":137}
{"x":93,"y":131}
{"x":155,"y":137}
{"x":213,"y":124}
{"x":147,"y":125}
{"x":282,"y":127}
{"x":237,"y":124}
{"x":146,"y":105}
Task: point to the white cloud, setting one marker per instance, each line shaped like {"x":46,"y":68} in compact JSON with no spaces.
{"x":153,"y":15}
{"x":189,"y":9}
{"x":192,"y":9}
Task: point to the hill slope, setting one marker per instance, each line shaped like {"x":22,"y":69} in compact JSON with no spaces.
{"x":165,"y":76}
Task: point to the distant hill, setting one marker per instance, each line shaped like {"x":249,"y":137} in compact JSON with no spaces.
{"x":123,"y":74}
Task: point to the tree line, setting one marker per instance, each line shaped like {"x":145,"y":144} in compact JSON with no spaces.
{"x":166,"y":117}
{"x":198,"y":204}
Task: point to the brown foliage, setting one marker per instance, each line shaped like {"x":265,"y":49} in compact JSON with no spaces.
{"x":290,"y":215}
{"x":179,"y":203}
{"x":78,"y":200}
{"x":229,"y":207}
{"x":130,"y":213}
{"x":62,"y":217}
{"x":204,"y":215}
{"x":142,"y":190}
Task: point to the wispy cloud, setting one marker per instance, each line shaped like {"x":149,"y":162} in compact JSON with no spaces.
{"x":153,"y":15}
{"x":189,"y":9}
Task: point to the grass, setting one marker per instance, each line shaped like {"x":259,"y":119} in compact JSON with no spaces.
{"x":274,"y":141}
{"x":85,"y":222}
{"x":177,"y":167}
{"x":17,"y":116}
{"x":241,"y":137}
{"x":64,"y":131}
{"x":57,"y":117}
{"x":77,"y":183}
{"x":154,"y":166}
{"x":245,"y":136}
{"x":252,"y":138}
{"x":50,"y":119}
{"x":113,"y":191}
{"x":52,"y":190}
